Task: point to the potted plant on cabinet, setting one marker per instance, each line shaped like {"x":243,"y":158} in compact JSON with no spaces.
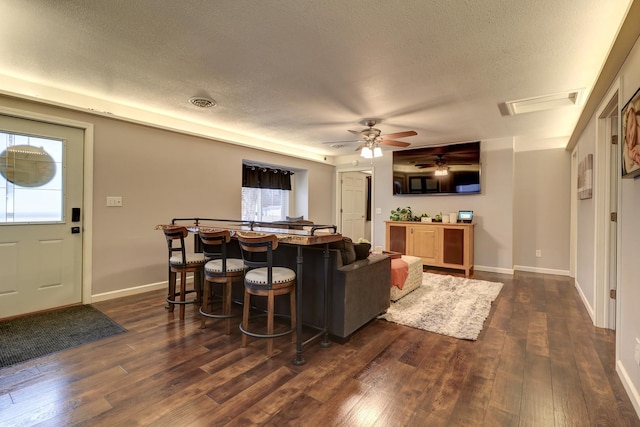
{"x":401,"y":214}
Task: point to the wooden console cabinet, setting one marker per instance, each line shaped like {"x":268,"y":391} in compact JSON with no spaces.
{"x":438,"y":244}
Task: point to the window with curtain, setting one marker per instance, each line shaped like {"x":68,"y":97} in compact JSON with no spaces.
{"x":265,"y":193}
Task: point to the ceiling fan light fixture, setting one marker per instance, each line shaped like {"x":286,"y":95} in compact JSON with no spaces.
{"x":369,"y":153}
{"x":441,"y":170}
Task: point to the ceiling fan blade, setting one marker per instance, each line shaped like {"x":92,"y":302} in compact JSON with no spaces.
{"x":361,"y":146}
{"x":394,"y":143}
{"x":357,"y":133}
{"x":350,"y":141}
{"x":399,"y":134}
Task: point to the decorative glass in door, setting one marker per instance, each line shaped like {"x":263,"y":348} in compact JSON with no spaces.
{"x":31,"y":179}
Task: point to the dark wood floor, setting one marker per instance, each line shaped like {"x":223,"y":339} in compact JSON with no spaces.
{"x":538,"y":362}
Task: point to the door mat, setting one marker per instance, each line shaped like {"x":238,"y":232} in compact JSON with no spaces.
{"x":37,"y":335}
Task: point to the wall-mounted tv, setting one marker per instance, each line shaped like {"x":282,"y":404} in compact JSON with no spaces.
{"x":443,"y":169}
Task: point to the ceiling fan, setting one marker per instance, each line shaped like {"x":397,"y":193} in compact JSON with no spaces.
{"x":438,"y":162}
{"x":440,"y":165}
{"x":373,"y":137}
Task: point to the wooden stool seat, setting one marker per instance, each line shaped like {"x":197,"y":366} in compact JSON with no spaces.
{"x":180,"y":263}
{"x":264,"y":279}
{"x":222,"y":270}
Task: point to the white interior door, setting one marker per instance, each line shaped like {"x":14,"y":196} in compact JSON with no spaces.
{"x":41,"y":189}
{"x":353,"y":202}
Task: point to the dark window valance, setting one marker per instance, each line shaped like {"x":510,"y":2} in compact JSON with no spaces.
{"x":266,"y":177}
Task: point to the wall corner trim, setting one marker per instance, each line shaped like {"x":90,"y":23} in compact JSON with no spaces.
{"x":493,"y":269}
{"x":542,"y":270}
{"x":633,"y":393}
{"x":105,"y":296}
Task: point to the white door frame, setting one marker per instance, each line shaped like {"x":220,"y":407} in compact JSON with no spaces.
{"x":603,"y":208}
{"x":338,"y":192}
{"x":87,"y":194}
{"x":573,"y":233}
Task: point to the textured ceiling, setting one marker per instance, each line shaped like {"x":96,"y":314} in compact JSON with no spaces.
{"x":292,"y":75}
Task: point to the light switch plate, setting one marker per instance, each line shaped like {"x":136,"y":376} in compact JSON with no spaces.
{"x":114,"y":201}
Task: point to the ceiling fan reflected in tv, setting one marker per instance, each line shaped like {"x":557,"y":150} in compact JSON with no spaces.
{"x":444,"y":169}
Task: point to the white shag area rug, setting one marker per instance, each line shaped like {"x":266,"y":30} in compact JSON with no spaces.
{"x":447,"y":305}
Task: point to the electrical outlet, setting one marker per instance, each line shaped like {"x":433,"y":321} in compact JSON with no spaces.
{"x":538,"y":253}
{"x":637,"y":355}
{"x":378,"y":211}
{"x":114,"y":201}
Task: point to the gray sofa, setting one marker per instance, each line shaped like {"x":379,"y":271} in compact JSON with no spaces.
{"x":359,"y":290}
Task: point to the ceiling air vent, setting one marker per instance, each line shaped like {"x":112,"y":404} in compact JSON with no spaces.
{"x":541,"y":103}
{"x":203,"y":102}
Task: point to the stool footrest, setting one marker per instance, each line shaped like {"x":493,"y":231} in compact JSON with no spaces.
{"x":275,"y":335}
{"x":218,"y":316}
{"x":193,"y":301}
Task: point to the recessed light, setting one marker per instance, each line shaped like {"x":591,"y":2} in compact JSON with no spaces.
{"x":203,"y":102}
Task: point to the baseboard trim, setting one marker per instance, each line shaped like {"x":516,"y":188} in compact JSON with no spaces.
{"x":493,"y":269}
{"x":105,"y":296}
{"x":542,"y":270}
{"x":585,"y":302}
{"x":632,"y":392}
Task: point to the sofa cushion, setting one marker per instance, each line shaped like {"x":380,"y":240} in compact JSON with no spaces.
{"x":362,"y":250}
{"x":297,"y":223}
{"x":347,"y":251}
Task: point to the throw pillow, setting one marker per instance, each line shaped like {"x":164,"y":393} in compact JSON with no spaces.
{"x":362,"y":250}
{"x":347,"y":251}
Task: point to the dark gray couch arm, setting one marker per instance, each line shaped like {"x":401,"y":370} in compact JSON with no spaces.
{"x":360,"y":292}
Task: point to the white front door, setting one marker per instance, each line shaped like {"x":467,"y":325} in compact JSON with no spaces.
{"x":353,"y":205}
{"x":41,"y":188}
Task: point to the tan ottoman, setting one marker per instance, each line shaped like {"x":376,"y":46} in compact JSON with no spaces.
{"x":414,"y":279}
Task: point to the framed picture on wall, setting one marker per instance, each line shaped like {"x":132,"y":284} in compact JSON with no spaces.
{"x":585,"y":177}
{"x":631,"y":137}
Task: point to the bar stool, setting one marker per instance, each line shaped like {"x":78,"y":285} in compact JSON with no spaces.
{"x":181,"y":262}
{"x":264,"y":279}
{"x":219,"y":269}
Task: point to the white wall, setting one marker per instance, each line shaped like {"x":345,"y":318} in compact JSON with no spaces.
{"x":493,"y":208}
{"x":628,"y":303}
{"x":524,"y":205}
{"x":542,"y":203}
{"x":585,"y":248}
{"x":163,"y":175}
{"x":628,"y":330}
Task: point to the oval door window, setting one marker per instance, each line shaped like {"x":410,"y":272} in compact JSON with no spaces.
{"x":27,"y":166}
